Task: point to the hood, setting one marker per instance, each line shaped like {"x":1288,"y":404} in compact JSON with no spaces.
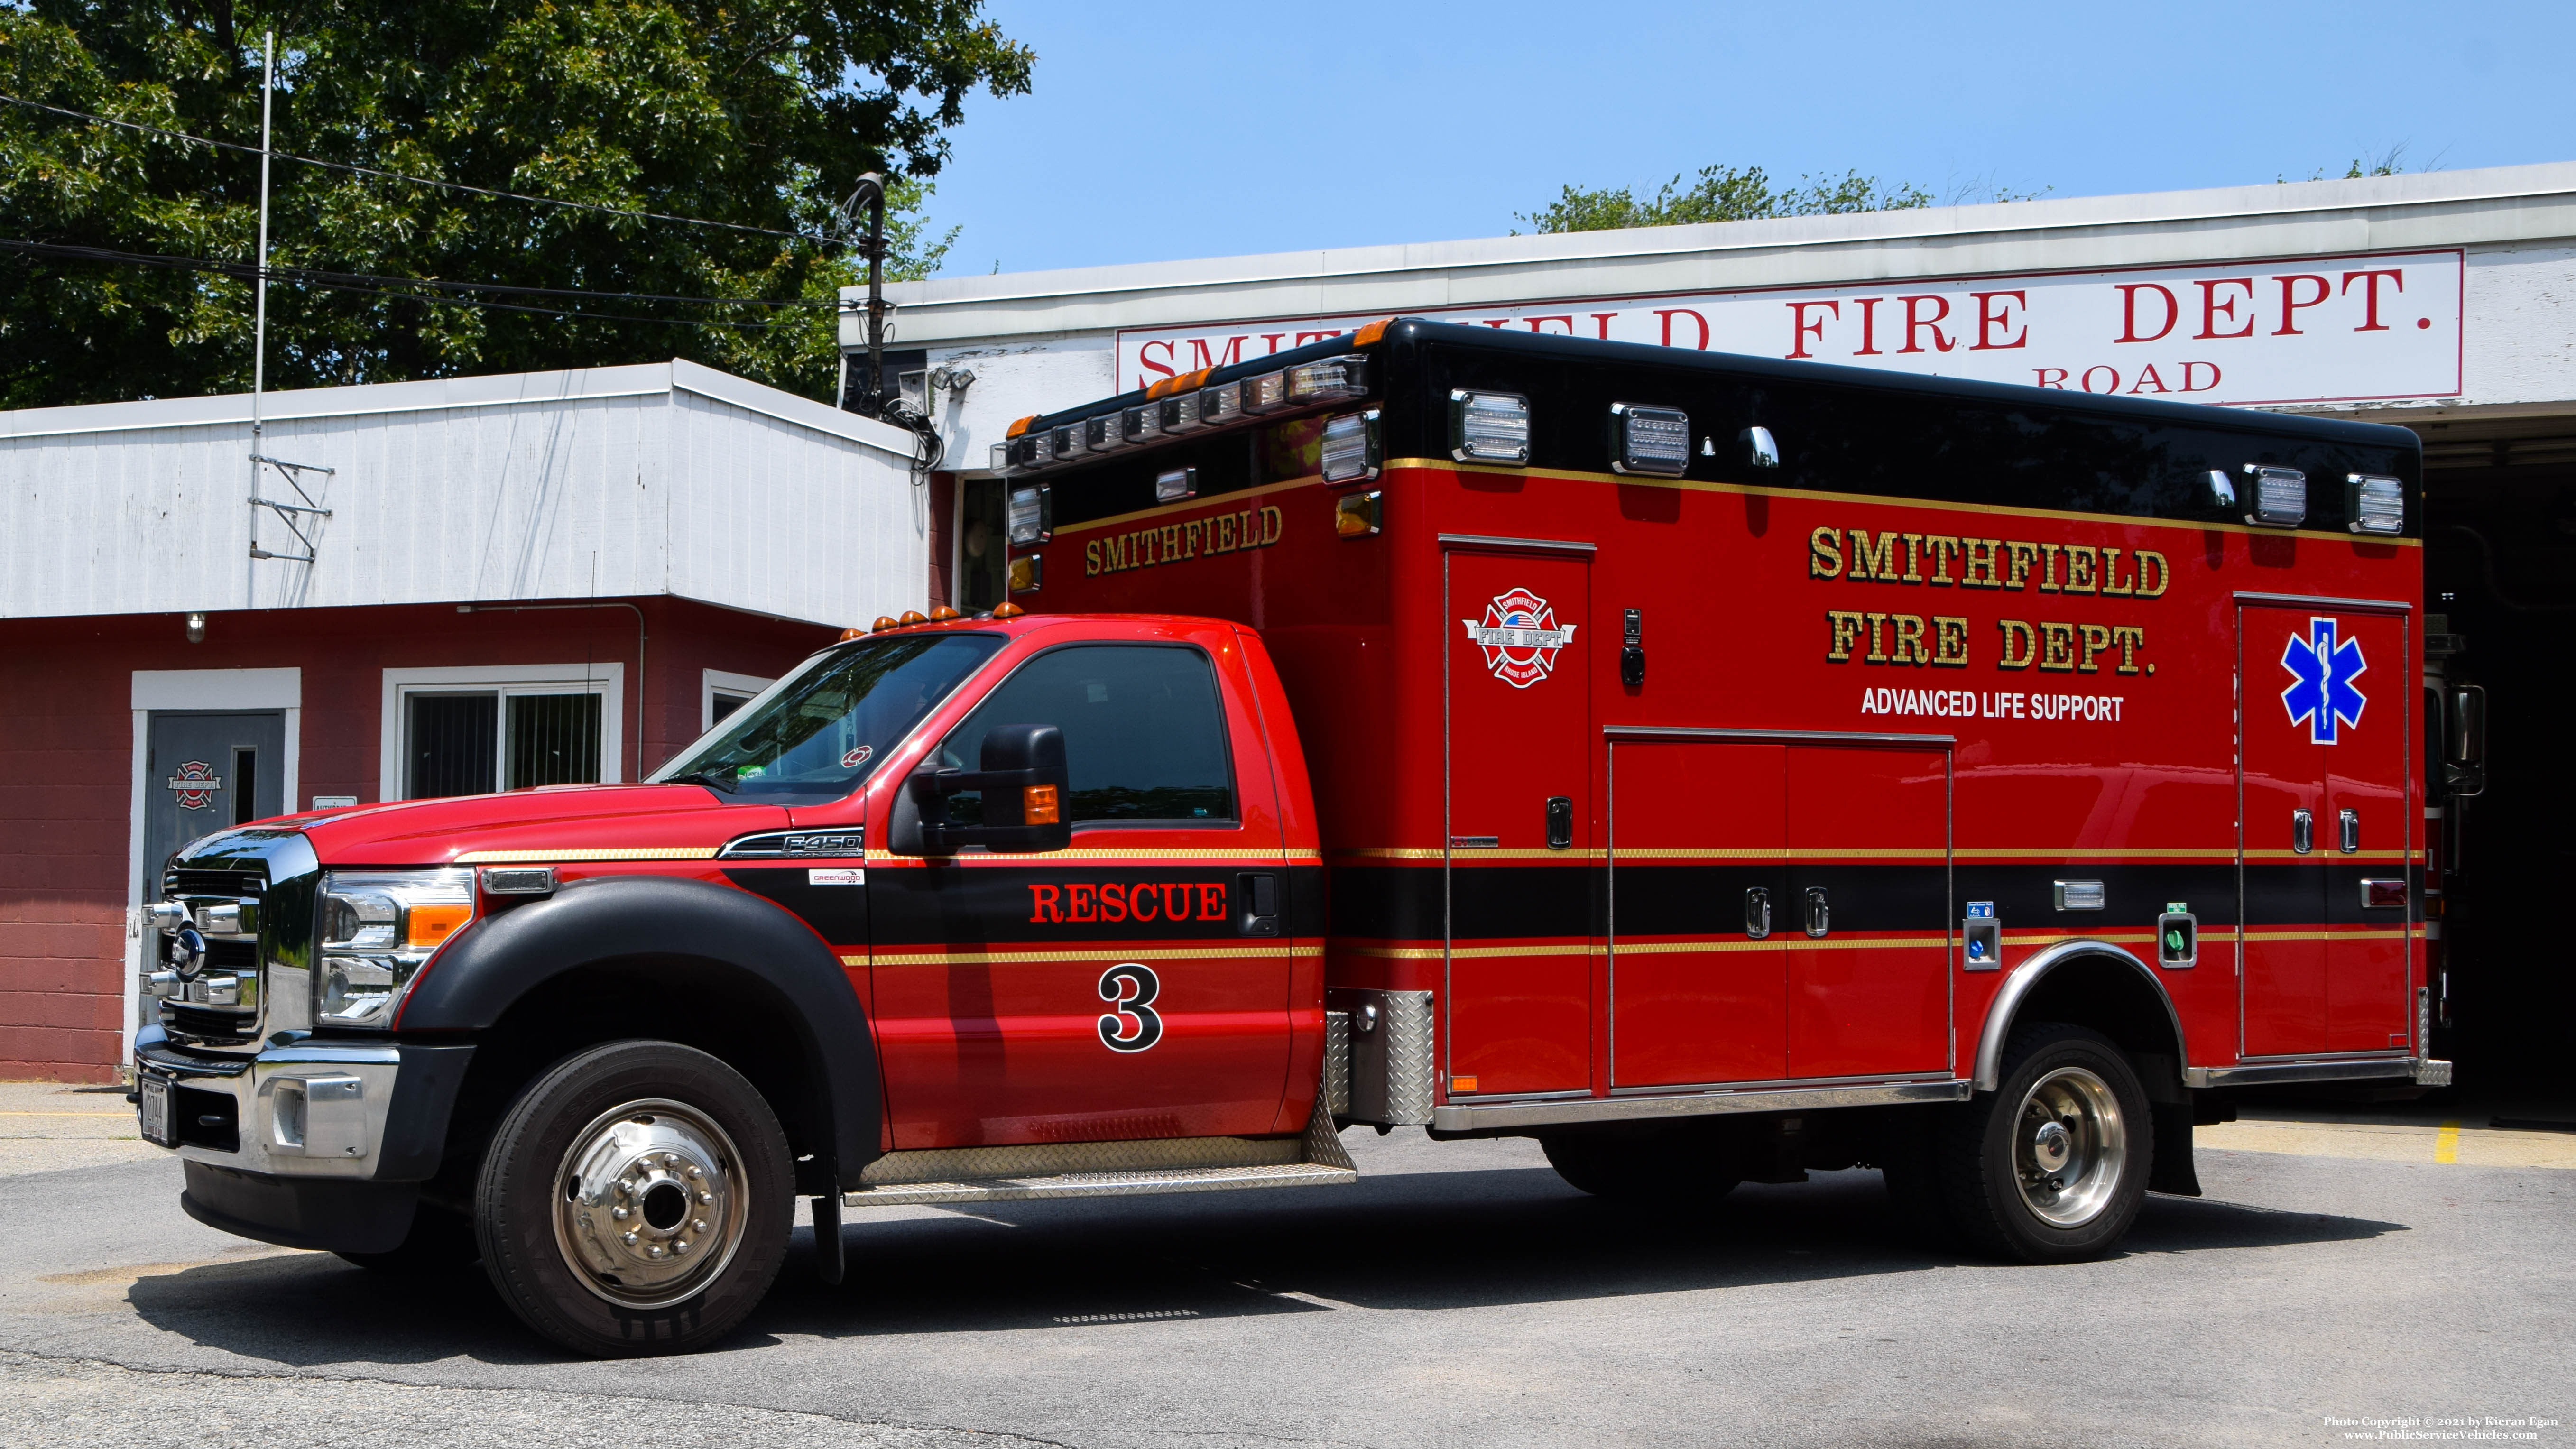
{"x":568,"y":822}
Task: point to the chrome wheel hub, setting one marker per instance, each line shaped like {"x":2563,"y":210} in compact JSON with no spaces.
{"x":2070,"y":1146}
{"x":649,"y":1203}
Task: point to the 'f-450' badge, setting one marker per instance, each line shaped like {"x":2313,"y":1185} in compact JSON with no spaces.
{"x":2322,"y":670}
{"x":1520,"y":637}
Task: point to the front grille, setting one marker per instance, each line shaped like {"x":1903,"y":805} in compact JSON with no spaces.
{"x":207,"y":1023}
{"x":228,"y":884}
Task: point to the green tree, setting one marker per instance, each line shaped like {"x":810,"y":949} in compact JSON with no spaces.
{"x":759,"y":113}
{"x":1724,"y":193}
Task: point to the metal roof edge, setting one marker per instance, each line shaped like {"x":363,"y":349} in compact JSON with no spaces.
{"x":427,"y":395}
{"x":1946,"y":225}
{"x":787,"y":407}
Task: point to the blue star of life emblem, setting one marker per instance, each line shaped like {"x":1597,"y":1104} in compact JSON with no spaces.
{"x":2322,"y":671}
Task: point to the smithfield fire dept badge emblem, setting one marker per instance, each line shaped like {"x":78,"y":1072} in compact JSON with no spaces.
{"x":195,"y":785}
{"x":2322,"y":671}
{"x":1520,"y":637}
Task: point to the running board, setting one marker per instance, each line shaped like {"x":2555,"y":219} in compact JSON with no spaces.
{"x":1101,"y":1184}
{"x":1106,"y":1169}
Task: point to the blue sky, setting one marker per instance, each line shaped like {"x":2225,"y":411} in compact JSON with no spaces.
{"x":1210,"y":129}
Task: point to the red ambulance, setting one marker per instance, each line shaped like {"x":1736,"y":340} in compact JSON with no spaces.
{"x":1714,"y":768}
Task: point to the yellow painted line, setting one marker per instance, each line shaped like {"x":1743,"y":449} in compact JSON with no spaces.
{"x":1016,"y":958}
{"x":631,"y":852}
{"x":1693,"y":485}
{"x":2446,"y":1143}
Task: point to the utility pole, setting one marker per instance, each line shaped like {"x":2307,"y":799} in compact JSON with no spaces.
{"x":291,"y":472}
{"x":871,"y":194}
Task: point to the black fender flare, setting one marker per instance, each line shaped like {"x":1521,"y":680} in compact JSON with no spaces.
{"x":490,"y":966}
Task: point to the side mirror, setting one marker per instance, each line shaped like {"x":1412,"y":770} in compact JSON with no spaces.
{"x":2466,"y":770}
{"x":1026,"y":790}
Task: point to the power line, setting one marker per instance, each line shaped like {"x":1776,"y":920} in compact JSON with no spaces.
{"x":359,"y":282}
{"x":354,"y":170}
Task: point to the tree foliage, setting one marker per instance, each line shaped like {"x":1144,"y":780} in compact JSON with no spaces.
{"x":1723,"y":193}
{"x":761,"y":113}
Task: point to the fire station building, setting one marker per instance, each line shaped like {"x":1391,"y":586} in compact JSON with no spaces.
{"x":433,"y":588}
{"x":2445,"y":302}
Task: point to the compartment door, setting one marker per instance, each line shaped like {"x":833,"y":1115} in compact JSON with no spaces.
{"x":1520,"y":822}
{"x":2287,"y":834}
{"x":1869,"y":931}
{"x":1699,"y":918}
{"x":2367,"y":1002}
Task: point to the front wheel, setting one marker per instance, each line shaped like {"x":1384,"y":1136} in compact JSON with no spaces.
{"x":2051,"y":1167}
{"x":635,"y":1200}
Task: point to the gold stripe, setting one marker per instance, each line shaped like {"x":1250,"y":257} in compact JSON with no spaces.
{"x":2355,"y":933}
{"x":2047,"y":938}
{"x":2321,"y":857}
{"x":1211,"y":501}
{"x":2042,"y":855}
{"x":632,"y":852}
{"x":1113,"y":855}
{"x":1016,"y":958}
{"x":1691,"y":485}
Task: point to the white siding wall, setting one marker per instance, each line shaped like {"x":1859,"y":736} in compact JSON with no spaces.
{"x":617,"y":482}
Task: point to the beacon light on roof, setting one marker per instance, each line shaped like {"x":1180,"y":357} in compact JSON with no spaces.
{"x":2280,"y":496}
{"x":2373,"y":504}
{"x":1180,"y":412}
{"x":1103,"y":434}
{"x":1033,"y":450}
{"x":1031,"y":517}
{"x":1351,"y":448}
{"x":1064,"y":443}
{"x":1649,"y":440}
{"x":1140,"y":423}
{"x":1328,"y":380}
{"x":1267,"y":393}
{"x":1489,"y":427}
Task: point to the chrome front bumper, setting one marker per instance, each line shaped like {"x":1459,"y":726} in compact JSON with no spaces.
{"x":312,"y":1110}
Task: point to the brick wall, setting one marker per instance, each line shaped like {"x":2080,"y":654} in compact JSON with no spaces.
{"x":66,"y":759}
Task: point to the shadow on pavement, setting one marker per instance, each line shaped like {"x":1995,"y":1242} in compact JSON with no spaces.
{"x":1408,"y":1241}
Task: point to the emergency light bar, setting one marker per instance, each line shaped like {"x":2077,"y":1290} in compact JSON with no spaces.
{"x":1162,"y":417}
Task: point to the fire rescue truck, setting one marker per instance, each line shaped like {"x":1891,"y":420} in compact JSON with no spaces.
{"x":1714,"y":768}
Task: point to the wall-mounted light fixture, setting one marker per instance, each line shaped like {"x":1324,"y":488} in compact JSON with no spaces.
{"x":196,"y":628}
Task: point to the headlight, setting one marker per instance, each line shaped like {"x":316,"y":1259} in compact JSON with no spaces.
{"x":378,"y":929}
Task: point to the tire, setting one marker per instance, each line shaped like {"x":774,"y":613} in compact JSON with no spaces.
{"x":584,"y":1206}
{"x":1637,"y":1168}
{"x":2050,"y":1167}
{"x":438,"y":1244}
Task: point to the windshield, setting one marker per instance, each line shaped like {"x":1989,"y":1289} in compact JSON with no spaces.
{"x":816,"y":735}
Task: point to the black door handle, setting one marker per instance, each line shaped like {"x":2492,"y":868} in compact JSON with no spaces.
{"x":1256,"y":906}
{"x":1820,"y":913}
{"x":1757,"y":911}
{"x":1560,"y":822}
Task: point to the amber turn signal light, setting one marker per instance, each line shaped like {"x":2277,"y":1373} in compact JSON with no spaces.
{"x":431,"y":924}
{"x":1037,"y":805}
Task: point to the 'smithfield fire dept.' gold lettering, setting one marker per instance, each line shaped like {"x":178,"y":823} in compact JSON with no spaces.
{"x":1934,"y":560}
{"x":1189,"y":538}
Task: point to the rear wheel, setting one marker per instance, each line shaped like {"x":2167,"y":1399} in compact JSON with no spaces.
{"x":1637,"y":1168}
{"x":635,"y":1200}
{"x":2051,"y":1167}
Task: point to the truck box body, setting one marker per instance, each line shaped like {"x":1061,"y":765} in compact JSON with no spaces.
{"x":1961,"y":643}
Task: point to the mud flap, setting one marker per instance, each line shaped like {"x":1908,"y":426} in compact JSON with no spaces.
{"x":2174,"y":1172}
{"x":828,"y":1261}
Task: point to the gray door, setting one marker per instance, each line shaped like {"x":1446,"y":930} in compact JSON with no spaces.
{"x":208,"y":772}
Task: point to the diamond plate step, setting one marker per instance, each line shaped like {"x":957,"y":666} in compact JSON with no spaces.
{"x":1103,"y":1184}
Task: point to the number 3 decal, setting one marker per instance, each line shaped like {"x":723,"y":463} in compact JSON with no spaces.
{"x":1130,"y":990}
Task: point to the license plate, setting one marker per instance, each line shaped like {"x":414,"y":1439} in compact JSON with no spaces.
{"x":154,"y":1109}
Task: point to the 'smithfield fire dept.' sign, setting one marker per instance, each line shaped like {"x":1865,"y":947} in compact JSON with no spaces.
{"x":2309,"y":329}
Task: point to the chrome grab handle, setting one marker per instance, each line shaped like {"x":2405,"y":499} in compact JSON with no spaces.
{"x":2351,"y":823}
{"x":1757,"y":911}
{"x":1820,"y":914}
{"x":2303,"y":831}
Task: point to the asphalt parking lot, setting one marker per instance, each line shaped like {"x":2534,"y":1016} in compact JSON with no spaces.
{"x":2378,"y":1269}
